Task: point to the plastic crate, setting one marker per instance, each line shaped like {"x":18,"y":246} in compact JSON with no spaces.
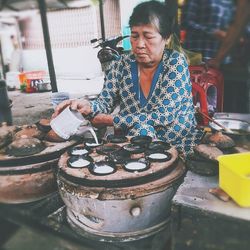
{"x":29,"y":80}
{"x":234,"y":177}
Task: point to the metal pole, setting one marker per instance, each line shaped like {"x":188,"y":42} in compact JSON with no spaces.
{"x":2,"y":62}
{"x":46,"y":37}
{"x":173,"y":4}
{"x":102,"y":19}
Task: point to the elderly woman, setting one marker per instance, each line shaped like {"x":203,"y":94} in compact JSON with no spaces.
{"x":151,"y":85}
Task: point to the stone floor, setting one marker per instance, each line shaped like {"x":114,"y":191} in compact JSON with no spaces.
{"x":23,"y":238}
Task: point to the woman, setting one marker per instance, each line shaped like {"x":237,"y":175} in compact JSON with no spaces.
{"x":151,"y":85}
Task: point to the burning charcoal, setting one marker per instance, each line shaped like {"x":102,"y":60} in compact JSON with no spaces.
{"x":208,"y":152}
{"x":219,"y":193}
{"x":6,"y":134}
{"x":25,"y":146}
{"x":5,"y":137}
{"x":220,"y":140}
{"x":53,"y":137}
{"x":30,"y":131}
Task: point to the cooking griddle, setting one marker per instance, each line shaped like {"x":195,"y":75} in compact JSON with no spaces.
{"x":52,"y":150}
{"x":121,"y":178}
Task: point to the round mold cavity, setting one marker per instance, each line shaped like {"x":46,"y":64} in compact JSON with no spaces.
{"x":136,"y":166}
{"x":107,"y":149}
{"x":142,"y":140}
{"x":134,"y":149}
{"x":91,"y":143}
{"x":120,"y":156}
{"x":102,"y":168}
{"x":159,"y":156}
{"x":79,"y":150}
{"x":79,"y":161}
{"x":116,"y":138}
{"x":159,"y":146}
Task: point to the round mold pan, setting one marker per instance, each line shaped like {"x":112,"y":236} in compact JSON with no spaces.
{"x":102,"y":168}
{"x":120,"y":156}
{"x":116,"y":138}
{"x":159,"y":146}
{"x":107,"y":149}
{"x":136,"y":166}
{"x":133,"y":149}
{"x":90,"y":143}
{"x":79,"y":161}
{"x":158,"y":156}
{"x":141,"y":140}
{"x":79,"y":151}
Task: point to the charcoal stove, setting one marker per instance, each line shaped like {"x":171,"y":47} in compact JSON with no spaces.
{"x":123,"y":205}
{"x":30,"y":178}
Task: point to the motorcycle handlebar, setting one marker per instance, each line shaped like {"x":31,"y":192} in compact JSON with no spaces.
{"x":109,"y":42}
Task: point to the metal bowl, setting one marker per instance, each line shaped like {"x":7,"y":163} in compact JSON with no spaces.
{"x":236,"y":127}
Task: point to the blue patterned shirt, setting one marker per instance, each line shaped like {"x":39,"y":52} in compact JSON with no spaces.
{"x":200,"y":19}
{"x":168,"y":112}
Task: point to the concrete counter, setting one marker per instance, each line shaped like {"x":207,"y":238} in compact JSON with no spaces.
{"x":202,"y":221}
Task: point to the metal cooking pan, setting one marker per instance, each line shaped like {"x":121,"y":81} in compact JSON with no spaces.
{"x":237,"y":128}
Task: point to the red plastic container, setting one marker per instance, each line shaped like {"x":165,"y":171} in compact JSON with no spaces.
{"x":28,"y":80}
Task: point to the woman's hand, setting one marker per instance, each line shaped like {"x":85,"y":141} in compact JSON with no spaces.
{"x":102,"y":120}
{"x":82,"y":106}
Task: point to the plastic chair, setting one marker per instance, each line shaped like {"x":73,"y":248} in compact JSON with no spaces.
{"x":209,"y":79}
{"x":200,"y":99}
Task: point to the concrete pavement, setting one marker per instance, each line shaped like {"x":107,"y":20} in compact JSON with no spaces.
{"x":28,"y":108}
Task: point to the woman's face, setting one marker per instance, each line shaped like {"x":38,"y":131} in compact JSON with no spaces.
{"x":147,"y":44}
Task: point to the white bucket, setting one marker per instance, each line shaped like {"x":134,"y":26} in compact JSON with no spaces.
{"x":12,"y":79}
{"x":59,"y":97}
{"x":67,"y":123}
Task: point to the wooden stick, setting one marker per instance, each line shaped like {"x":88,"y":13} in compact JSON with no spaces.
{"x":215,"y":122}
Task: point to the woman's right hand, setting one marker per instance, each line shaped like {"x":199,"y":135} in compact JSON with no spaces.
{"x":82,"y":106}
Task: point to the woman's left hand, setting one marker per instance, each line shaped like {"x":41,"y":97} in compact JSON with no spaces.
{"x":82,"y":106}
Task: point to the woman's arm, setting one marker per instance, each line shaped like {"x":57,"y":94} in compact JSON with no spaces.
{"x":233,"y":34}
{"x":102,"y":120}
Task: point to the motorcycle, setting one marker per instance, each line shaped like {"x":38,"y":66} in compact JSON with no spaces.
{"x":109,"y":51}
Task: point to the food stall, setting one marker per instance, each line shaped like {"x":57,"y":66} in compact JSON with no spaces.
{"x":199,"y":220}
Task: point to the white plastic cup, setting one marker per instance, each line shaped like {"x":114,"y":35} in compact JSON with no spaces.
{"x":67,"y":123}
